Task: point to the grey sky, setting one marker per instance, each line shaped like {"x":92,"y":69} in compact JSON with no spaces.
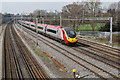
{"x":55,"y":0}
{"x":27,"y":7}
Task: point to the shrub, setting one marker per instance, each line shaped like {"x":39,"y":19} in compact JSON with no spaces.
{"x":115,"y":27}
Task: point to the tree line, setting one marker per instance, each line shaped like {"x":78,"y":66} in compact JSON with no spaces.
{"x":75,"y":10}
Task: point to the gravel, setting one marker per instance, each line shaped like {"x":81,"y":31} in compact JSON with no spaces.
{"x":69,"y":64}
{"x":100,"y":64}
{"x":37,"y":57}
{"x":1,"y":37}
{"x":1,"y":42}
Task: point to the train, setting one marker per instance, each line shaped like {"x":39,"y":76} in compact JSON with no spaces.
{"x":65,"y":34}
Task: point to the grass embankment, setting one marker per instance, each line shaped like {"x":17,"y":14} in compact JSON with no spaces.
{"x":115,"y":42}
{"x":87,"y":27}
{"x":98,"y":26}
{"x":39,"y":52}
{"x":44,"y":57}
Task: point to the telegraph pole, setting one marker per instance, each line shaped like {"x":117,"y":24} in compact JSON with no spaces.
{"x":110,"y":30}
{"x":37,"y":29}
{"x":21,"y":20}
{"x":60,"y":20}
{"x":43,"y":20}
{"x":83,"y":16}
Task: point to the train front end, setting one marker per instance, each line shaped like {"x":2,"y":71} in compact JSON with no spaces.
{"x":70,"y":36}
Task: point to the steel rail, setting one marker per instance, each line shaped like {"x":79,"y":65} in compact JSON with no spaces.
{"x":79,"y":58}
{"x":31,"y":59}
{"x":100,"y":45}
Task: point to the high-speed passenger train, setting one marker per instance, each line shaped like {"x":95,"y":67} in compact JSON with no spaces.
{"x":64,"y":34}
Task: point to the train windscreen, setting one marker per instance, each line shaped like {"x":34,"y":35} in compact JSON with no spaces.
{"x":70,"y":32}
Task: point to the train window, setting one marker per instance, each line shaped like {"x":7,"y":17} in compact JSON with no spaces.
{"x":70,"y":32}
{"x":45,"y":28}
{"x":27,"y":24}
{"x":32,"y":25}
{"x":50,"y":30}
{"x":40,"y":27}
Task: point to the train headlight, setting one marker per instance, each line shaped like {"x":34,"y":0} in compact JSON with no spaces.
{"x":67,"y":37}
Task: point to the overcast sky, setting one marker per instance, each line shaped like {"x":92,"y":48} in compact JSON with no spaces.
{"x":28,"y":6}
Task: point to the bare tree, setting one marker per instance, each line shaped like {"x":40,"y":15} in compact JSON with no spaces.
{"x":114,"y":6}
{"x":74,"y":10}
{"x":40,"y":14}
{"x":87,"y":8}
{"x":119,"y":10}
{"x":0,"y":18}
{"x":113,"y":10}
{"x":36,"y":13}
{"x":91,"y":8}
{"x":30,"y":17}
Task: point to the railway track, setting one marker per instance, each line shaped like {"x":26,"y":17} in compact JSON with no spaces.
{"x":107,"y":53}
{"x":13,"y":70}
{"x":102,"y":47}
{"x":18,"y":61}
{"x":99,"y":68}
{"x":107,"y":58}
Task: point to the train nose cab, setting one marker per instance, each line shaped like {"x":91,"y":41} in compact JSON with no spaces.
{"x":70,"y":35}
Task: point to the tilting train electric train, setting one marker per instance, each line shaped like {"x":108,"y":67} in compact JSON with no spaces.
{"x":64,"y":34}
